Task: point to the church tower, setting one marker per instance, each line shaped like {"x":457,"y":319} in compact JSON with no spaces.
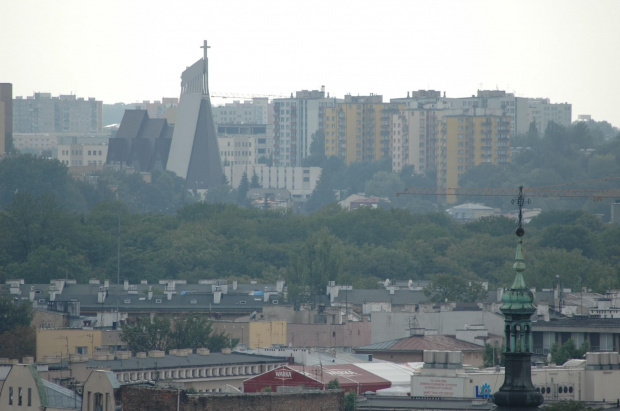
{"x":194,"y":152}
{"x":518,"y":393}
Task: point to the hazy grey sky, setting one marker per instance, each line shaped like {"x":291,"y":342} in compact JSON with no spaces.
{"x":134,"y":50}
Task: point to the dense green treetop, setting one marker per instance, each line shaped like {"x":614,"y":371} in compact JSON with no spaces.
{"x":41,"y":240}
{"x":166,"y":333}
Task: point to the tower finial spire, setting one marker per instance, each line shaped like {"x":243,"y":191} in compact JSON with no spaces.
{"x":518,"y":392}
{"x":520,"y":201}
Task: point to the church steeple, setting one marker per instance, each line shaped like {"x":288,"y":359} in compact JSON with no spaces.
{"x":517,"y":392}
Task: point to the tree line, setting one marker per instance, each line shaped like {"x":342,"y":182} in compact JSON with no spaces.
{"x":42,"y":240}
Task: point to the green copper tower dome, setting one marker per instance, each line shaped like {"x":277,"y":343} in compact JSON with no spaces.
{"x":518,"y":297}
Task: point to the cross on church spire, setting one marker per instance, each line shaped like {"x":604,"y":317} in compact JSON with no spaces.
{"x":205,"y":68}
{"x":205,"y":47}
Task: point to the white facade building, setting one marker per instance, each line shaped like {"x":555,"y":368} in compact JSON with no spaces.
{"x":594,"y":379}
{"x":34,"y":143}
{"x":296,"y":120}
{"x":236,"y":150}
{"x":300,"y":181}
{"x":255,"y":111}
{"x":245,"y":144}
{"x":82,"y":154}
{"x":541,"y":112}
{"x":414,"y":132}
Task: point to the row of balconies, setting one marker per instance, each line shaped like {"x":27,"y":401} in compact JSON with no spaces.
{"x":191,"y":373}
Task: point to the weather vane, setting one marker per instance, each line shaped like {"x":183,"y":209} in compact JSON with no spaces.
{"x":521,"y":201}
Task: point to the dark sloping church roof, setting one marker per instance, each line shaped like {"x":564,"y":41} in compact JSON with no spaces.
{"x":142,"y":143}
{"x":131,"y":123}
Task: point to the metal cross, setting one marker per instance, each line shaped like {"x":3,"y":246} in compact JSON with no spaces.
{"x":204,"y":46}
{"x":521,"y":201}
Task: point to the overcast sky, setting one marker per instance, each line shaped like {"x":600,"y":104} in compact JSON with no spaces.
{"x":133,"y":50}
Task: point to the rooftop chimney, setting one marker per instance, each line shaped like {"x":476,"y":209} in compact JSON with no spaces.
{"x":217,"y":296}
{"x":101,"y":295}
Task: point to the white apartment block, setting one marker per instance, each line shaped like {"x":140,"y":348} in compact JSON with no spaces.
{"x":34,"y":143}
{"x":414,"y":133}
{"x":237,"y":150}
{"x":296,"y":120}
{"x":542,"y":112}
{"x":245,"y":143}
{"x":82,"y":154}
{"x":300,"y":181}
{"x":255,"y":111}
{"x":500,"y":102}
{"x":158,"y":109}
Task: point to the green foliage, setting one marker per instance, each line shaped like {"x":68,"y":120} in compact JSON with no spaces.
{"x":41,"y":238}
{"x":333,"y":384}
{"x":496,"y":226}
{"x":317,"y":151}
{"x":255,"y":183}
{"x":562,"y":353}
{"x":323,"y":193}
{"x":319,"y":261}
{"x":384,"y":184}
{"x":493,"y":355}
{"x":350,"y":401}
{"x":17,"y":338}
{"x":18,"y":342}
{"x":242,"y":191}
{"x":165,"y":333}
{"x":451,"y":288}
{"x":36,"y":176}
{"x":147,"y":334}
{"x":14,"y":314}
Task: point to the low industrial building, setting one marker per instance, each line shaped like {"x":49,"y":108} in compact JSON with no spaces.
{"x":349,"y":377}
{"x":203,"y":371}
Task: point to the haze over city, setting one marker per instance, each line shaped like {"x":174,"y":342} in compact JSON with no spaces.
{"x":120,"y":51}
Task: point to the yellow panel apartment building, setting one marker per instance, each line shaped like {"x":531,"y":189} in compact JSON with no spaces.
{"x":465,"y":141}
{"x":358,"y":130}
